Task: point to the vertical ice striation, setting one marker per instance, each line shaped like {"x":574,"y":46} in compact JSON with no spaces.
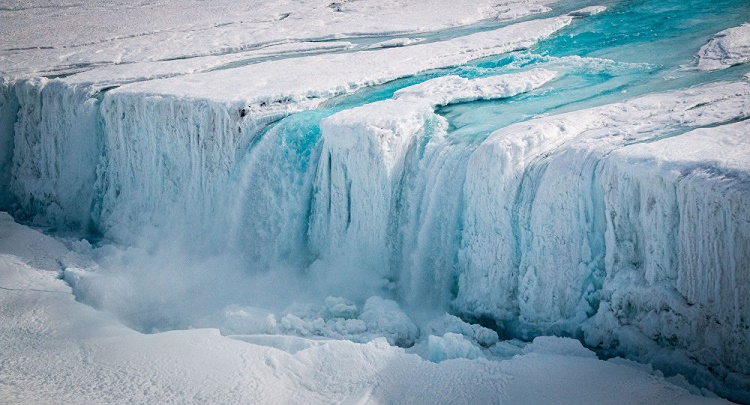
{"x":8,"y":114}
{"x":359,"y":172}
{"x":678,"y":245}
{"x":55,"y":152}
{"x":167,"y":163}
{"x":534,"y":217}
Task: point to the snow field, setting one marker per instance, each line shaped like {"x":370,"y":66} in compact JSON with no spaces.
{"x":99,"y":34}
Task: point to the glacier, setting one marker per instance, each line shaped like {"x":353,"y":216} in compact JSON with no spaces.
{"x":513,"y":179}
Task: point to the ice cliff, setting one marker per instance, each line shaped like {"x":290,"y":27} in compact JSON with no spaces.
{"x":624,"y":223}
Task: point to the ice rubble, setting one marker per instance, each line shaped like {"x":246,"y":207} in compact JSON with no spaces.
{"x":727,"y":48}
{"x":65,"y":351}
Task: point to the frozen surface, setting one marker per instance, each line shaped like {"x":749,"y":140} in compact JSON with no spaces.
{"x":100,"y":33}
{"x":62,"y":350}
{"x":727,"y":48}
{"x":367,"y":202}
{"x":328,"y":75}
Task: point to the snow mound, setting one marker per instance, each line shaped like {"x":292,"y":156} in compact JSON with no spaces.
{"x":396,"y":42}
{"x":455,"y":89}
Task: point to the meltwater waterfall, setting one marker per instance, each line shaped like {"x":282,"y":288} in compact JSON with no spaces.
{"x":544,"y":177}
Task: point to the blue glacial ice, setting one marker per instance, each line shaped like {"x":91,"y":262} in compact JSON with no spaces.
{"x":582,"y":175}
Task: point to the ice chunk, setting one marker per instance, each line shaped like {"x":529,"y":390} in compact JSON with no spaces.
{"x":727,"y":48}
{"x":451,"y":346}
{"x":558,"y":345}
{"x":385,"y":318}
{"x":339,"y":307}
{"x":248,"y":321}
{"x":303,"y":327}
{"x":587,"y":11}
{"x":348,"y":328}
{"x":452,"y":324}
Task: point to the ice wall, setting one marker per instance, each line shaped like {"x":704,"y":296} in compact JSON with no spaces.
{"x":167,"y":163}
{"x":535,"y":188}
{"x":55,"y":152}
{"x":8,"y":113}
{"x":677,"y":245}
{"x":157,"y":156}
{"x":600,"y":245}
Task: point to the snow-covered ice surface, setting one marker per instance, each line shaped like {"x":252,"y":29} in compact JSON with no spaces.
{"x":727,"y":48}
{"x":67,"y":36}
{"x":375,"y":201}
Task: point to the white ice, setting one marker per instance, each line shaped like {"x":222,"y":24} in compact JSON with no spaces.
{"x":727,"y":48}
{"x":102,"y":33}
